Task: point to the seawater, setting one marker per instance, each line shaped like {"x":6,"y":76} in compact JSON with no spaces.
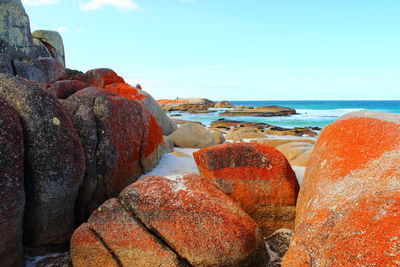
{"x":311,"y":113}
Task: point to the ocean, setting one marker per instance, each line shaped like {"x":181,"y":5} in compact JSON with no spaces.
{"x":311,"y":113}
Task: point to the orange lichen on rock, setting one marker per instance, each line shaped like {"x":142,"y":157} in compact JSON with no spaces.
{"x":348,"y":206}
{"x":120,"y":232}
{"x":126,"y":90}
{"x":256,"y":176}
{"x":100,"y":77}
{"x":163,"y":102}
{"x":202,"y":224}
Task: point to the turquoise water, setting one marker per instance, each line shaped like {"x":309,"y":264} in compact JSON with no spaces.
{"x":311,"y":113}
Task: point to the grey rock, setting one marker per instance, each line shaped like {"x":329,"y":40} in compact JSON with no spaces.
{"x":32,"y":71}
{"x":53,"y":69}
{"x":166,"y":124}
{"x":41,"y":49}
{"x":15,"y":33}
{"x":5,"y":64}
{"x":192,"y":135}
{"x":54,"y":165}
{"x":53,"y":42}
{"x":85,"y":124}
{"x":12,"y":195}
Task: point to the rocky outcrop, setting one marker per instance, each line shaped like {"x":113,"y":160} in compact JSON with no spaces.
{"x":185,"y":104}
{"x":12,"y":193}
{"x":223,"y":104}
{"x":348,"y":205}
{"x":264,"y":111}
{"x":54,"y":163}
{"x":257,"y":177}
{"x":192,"y":135}
{"x":169,"y":221}
{"x":296,"y":152}
{"x":53,"y":43}
{"x":22,"y":56}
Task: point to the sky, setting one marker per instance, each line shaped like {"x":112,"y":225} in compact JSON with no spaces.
{"x":234,"y":49}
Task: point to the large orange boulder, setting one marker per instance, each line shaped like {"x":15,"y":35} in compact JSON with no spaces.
{"x":120,"y":232}
{"x":199,"y":222}
{"x":100,"y":77}
{"x":256,"y":176}
{"x":129,"y":142}
{"x":348,"y":206}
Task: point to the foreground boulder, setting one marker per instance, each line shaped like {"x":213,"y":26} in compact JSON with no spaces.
{"x":130,"y":242}
{"x":256,"y":176}
{"x":129,"y":142}
{"x":199,"y":222}
{"x":65,"y":88}
{"x":54,"y":163}
{"x":12,"y":195}
{"x":192,"y":135}
{"x":348,"y":207}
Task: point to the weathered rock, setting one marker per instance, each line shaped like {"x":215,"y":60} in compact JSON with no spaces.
{"x":277,"y":245}
{"x":293,"y":150}
{"x":85,"y":124}
{"x":218,"y":137}
{"x":15,"y":32}
{"x":32,"y":71}
{"x":224,"y":123}
{"x":269,"y":111}
{"x":302,"y":159}
{"x":274,"y":142}
{"x":12,"y":195}
{"x":240,"y":134}
{"x":5,"y":64}
{"x":306,"y":131}
{"x":166,"y":124}
{"x":54,"y":163}
{"x":192,"y":135}
{"x":185,"y":104}
{"x":256,"y":176}
{"x":199,"y":222}
{"x":53,"y":69}
{"x":121,"y":124}
{"x":350,"y":195}
{"x":87,"y":249}
{"x":223,"y":104}
{"x":63,"y":89}
{"x":130,"y":242}
{"x":53,"y":41}
{"x":41,"y":49}
{"x":100,"y":77}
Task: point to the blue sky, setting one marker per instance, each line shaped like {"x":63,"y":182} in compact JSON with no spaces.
{"x":235,"y":49}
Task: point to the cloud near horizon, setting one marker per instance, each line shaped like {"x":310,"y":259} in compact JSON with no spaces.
{"x":39,"y":2}
{"x":119,"y":4}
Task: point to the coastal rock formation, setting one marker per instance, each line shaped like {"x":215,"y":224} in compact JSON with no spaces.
{"x":135,"y":93}
{"x":120,"y":232}
{"x":53,"y":42}
{"x":185,"y":104}
{"x":296,"y":152}
{"x":223,"y":104}
{"x":264,"y":111}
{"x":19,"y":54}
{"x":54,"y":163}
{"x":12,"y":193}
{"x":199,"y":222}
{"x":348,"y":205}
{"x":306,"y":131}
{"x":192,"y":135}
{"x":239,"y":134}
{"x":274,"y":142}
{"x":256,"y":176}
{"x":129,"y":141}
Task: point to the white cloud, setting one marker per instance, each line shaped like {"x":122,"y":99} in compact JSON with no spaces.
{"x":119,"y":4}
{"x":39,"y":2}
{"x":61,"y":29}
{"x":78,"y":30}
